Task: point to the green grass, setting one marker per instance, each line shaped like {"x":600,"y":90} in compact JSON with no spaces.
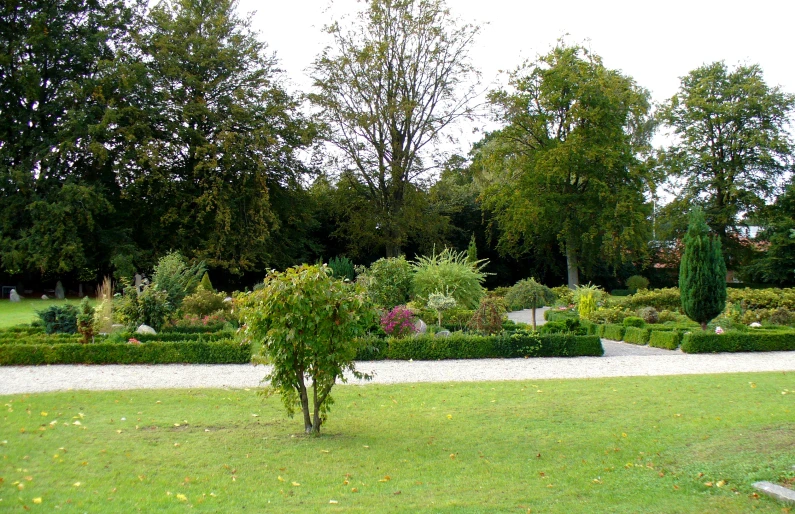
{"x":15,"y":313}
{"x":644,"y":444}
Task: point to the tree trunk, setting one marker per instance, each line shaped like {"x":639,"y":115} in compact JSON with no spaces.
{"x":316,"y":427}
{"x":304,"y":402}
{"x":704,"y":326}
{"x":572,"y":265}
{"x":534,"y":317}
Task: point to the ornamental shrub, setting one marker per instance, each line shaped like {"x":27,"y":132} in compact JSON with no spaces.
{"x":398,"y":322}
{"x":149,"y":307}
{"x":528,"y":294}
{"x":449,"y":271}
{"x":634,"y":321}
{"x":205,"y":283}
{"x":85,"y":321}
{"x":59,"y":319}
{"x":342,"y":268}
{"x":387,"y":281}
{"x":636,"y":283}
{"x":702,"y":272}
{"x":660,"y":299}
{"x":441,"y":302}
{"x":488,"y":318}
{"x":176,"y":278}
{"x":204,"y":302}
{"x":648,"y":314}
{"x":564,"y":296}
{"x":307,"y":323}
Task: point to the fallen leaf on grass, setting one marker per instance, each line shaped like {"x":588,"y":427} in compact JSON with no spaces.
{"x":36,"y":500}
{"x":296,"y":484}
{"x":280,"y":479}
{"x":333,"y":501}
{"x":76,"y":484}
{"x":708,"y":484}
{"x":721,"y":483}
{"x":354,"y":490}
{"x":181,"y":497}
{"x":387,"y":478}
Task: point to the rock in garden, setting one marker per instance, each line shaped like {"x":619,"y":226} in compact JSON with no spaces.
{"x":45,"y":297}
{"x":59,"y":292}
{"x":14,"y":296}
{"x":145,"y":329}
{"x":442,"y":333}
{"x":420,"y":327}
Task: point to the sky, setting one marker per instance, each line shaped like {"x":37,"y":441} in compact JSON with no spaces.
{"x":653,"y":42}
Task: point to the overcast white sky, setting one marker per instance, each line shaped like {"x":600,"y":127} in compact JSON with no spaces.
{"x":653,"y":42}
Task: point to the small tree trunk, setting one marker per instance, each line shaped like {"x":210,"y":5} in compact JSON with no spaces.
{"x":704,"y":326}
{"x":316,"y":414}
{"x":304,"y":402}
{"x":572,"y":265}
{"x":534,"y":319}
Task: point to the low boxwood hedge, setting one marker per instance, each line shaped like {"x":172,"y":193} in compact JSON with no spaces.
{"x":38,"y":338}
{"x":558,"y":314}
{"x":201,"y":329}
{"x":613,"y":332}
{"x":667,"y":339}
{"x":519,"y":343}
{"x":637,"y":335}
{"x":730,"y":341}
{"x":185,"y":352}
{"x":179,"y":336}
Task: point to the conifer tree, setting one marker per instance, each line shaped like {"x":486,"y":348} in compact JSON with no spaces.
{"x":702,"y":272}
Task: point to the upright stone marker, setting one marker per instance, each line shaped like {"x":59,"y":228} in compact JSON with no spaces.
{"x":14,"y":296}
{"x":59,"y":292}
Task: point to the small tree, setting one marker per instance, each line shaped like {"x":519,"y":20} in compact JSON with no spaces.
{"x":206,"y":284}
{"x":529,"y":294}
{"x":307,"y":322}
{"x":702,"y":272}
{"x":85,"y":321}
{"x":441,"y":302}
{"x":472,"y":250}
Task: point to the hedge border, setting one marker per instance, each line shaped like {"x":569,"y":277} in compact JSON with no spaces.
{"x":637,"y":335}
{"x":757,"y":341}
{"x":185,"y":352}
{"x":666,"y":339}
{"x":613,"y":332}
{"x":466,"y":346}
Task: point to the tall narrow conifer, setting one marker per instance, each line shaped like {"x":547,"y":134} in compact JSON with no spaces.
{"x":702,"y":272}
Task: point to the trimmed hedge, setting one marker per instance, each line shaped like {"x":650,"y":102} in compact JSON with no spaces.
{"x":177,"y":336}
{"x":519,"y":343}
{"x":613,"y":332}
{"x":557,"y":314}
{"x":637,"y":335}
{"x":38,"y":338}
{"x":667,"y":339}
{"x":756,"y":341}
{"x":203,"y":329}
{"x":22,"y":329}
{"x":187,"y":352}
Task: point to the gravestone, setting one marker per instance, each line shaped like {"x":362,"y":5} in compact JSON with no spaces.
{"x":420,"y":327}
{"x":442,"y":333}
{"x":45,"y":297}
{"x":14,"y":296}
{"x":59,"y":292}
{"x":139,"y":281}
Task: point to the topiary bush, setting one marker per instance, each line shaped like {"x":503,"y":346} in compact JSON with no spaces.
{"x":649,"y":315}
{"x":636,"y":335}
{"x":667,"y":339}
{"x":59,"y":319}
{"x":449,"y":271}
{"x":205,"y":283}
{"x":634,"y":321}
{"x":730,"y":341}
{"x":613,"y":332}
{"x":636,"y":283}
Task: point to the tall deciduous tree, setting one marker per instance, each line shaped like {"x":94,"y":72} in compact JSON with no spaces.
{"x":387,"y":89}
{"x":207,"y":140}
{"x":565,"y":169}
{"x":732,"y":144}
{"x":702,"y":272}
{"x":55,"y":180}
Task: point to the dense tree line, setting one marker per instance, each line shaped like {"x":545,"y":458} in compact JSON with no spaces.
{"x":129,"y":131}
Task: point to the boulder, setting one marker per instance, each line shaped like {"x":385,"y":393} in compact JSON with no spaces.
{"x":45,"y":297}
{"x":59,"y":292}
{"x":420,"y":327}
{"x":14,"y":296}
{"x":442,"y":333}
{"x":145,"y":329}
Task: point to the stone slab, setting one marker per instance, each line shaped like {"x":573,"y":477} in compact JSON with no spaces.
{"x":776,"y":491}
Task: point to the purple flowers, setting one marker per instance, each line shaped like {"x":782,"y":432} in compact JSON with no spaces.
{"x":398,"y":322}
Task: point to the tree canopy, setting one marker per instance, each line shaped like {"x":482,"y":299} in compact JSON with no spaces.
{"x":564,"y":168}
{"x":387,"y":88}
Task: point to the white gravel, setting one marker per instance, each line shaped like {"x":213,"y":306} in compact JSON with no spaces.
{"x":621,"y":359}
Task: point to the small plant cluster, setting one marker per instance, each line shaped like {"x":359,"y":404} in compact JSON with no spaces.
{"x":398,"y":322}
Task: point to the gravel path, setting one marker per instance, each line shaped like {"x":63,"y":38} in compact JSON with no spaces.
{"x":620,"y":359}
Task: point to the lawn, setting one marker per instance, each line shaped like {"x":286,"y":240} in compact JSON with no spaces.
{"x":14,"y":313}
{"x":645,"y":444}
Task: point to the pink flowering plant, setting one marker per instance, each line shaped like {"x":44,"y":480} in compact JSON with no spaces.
{"x":398,"y":322}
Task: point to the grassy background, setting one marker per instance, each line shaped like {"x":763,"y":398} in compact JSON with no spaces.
{"x":643,"y":444}
{"x":14,"y":313}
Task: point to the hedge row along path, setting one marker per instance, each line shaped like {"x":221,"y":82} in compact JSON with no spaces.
{"x":620,"y":359}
